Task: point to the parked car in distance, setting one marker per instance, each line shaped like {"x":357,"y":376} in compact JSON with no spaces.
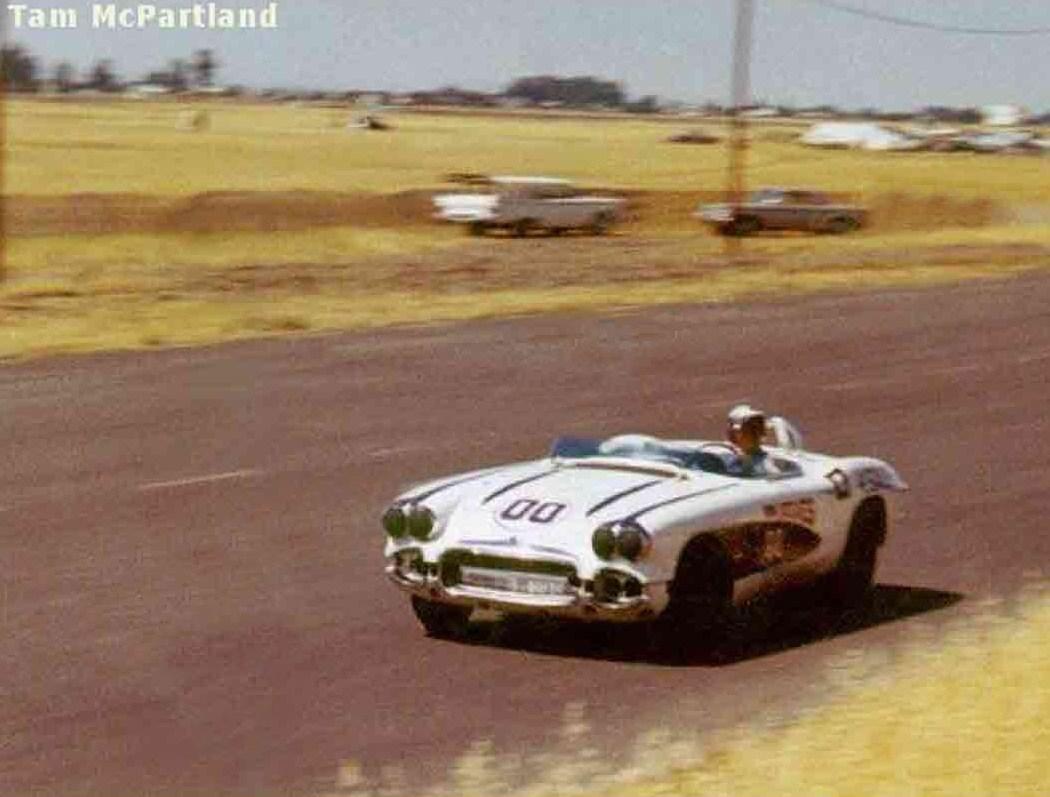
{"x":524,"y":205}
{"x":784,"y":209}
{"x":694,"y":136}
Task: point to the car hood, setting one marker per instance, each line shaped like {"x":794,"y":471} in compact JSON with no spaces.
{"x":556,"y":506}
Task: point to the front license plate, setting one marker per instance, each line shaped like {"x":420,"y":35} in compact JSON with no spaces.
{"x":523,"y":583}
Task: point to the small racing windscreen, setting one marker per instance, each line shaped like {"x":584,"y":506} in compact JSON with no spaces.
{"x":568,"y":447}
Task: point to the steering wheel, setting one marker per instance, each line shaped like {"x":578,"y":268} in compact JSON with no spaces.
{"x":732,"y":449}
{"x":715,"y":461}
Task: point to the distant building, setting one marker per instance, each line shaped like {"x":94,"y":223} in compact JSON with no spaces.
{"x":855,"y":135}
{"x":147,"y":89}
{"x":760,"y":112}
{"x":1002,"y":115}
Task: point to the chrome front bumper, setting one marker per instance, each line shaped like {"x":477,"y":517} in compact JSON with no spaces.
{"x":465,"y":217}
{"x":581,"y":601}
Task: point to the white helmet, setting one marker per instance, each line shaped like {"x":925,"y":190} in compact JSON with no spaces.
{"x":742,"y":414}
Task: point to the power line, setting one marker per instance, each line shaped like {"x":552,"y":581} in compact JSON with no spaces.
{"x":917,"y":23}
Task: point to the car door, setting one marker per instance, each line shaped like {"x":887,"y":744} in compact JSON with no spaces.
{"x":800,"y":528}
{"x":558,"y":210}
{"x":782,"y":213}
{"x":814,"y":210}
{"x":797,"y":211}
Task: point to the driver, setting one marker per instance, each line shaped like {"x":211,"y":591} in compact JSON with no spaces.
{"x":747,"y":427}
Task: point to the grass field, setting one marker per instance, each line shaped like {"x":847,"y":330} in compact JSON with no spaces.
{"x":961,"y":715}
{"x":138,"y":148}
{"x":124,"y":230}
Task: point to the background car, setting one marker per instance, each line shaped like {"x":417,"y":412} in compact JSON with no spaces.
{"x":784,"y":209}
{"x":529,"y":204}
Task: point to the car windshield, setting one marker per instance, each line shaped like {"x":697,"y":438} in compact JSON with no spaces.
{"x":767,"y":196}
{"x":709,"y":458}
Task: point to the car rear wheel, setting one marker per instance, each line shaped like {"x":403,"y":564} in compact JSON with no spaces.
{"x":441,"y":620}
{"x":477,"y":228}
{"x":849,"y":584}
{"x":840,"y":225}
{"x":523,"y":227}
{"x":700,"y":609}
{"x":600,"y":224}
{"x":743,"y":226}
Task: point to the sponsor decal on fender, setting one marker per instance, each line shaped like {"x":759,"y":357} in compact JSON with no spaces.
{"x":803,"y":511}
{"x":755,"y":547}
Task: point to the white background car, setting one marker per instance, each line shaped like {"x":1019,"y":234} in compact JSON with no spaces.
{"x":529,"y":204}
{"x":635,"y":528}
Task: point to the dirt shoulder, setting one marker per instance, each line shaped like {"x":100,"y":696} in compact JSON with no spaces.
{"x":117,"y":271}
{"x":475,"y":279}
{"x":274,"y":211}
{"x":549,"y":264}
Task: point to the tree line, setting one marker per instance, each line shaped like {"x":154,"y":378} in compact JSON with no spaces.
{"x":21,"y":72}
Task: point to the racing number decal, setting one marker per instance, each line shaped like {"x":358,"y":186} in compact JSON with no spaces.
{"x":518,"y":509}
{"x":546,"y":513}
{"x":535,"y":511}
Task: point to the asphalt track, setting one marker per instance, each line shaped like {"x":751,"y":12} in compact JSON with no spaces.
{"x":192,"y":600}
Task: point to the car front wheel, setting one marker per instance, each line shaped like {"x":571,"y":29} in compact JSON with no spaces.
{"x":851,"y":580}
{"x":700,"y":610}
{"x":522,"y":227}
{"x":441,"y":620}
{"x":743,"y":226}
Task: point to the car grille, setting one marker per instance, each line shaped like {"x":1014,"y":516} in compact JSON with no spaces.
{"x":452,"y":562}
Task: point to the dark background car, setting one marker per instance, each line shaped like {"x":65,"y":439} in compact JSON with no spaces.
{"x":784,"y":209}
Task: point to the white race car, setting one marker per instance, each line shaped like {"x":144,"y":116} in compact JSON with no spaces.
{"x":636,"y":528}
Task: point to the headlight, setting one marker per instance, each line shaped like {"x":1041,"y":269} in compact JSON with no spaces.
{"x":632,"y":541}
{"x":604,"y":541}
{"x":395,"y":521}
{"x":420,"y":522}
{"x":409,"y":520}
{"x":625,"y":538}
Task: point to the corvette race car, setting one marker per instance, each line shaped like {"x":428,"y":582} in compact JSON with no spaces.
{"x":635,"y":529}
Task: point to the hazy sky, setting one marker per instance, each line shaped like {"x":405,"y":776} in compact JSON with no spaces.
{"x":804,"y":53}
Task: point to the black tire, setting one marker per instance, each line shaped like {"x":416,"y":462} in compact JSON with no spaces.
{"x":743,"y":226}
{"x":700,"y":609}
{"x":522,"y":227}
{"x":840,"y":225}
{"x":441,"y":620}
{"x":477,"y":228}
{"x":850,"y":583}
{"x":600,"y":224}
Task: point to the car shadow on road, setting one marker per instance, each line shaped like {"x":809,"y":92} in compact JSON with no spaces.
{"x":792,"y":621}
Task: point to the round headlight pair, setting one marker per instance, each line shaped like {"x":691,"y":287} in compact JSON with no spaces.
{"x":412,"y":520}
{"x":625,"y":538}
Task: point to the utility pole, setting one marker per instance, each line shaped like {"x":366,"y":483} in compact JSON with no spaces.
{"x":3,"y":158}
{"x":741,"y":91}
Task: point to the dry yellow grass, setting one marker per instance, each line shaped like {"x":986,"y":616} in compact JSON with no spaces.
{"x":127,"y":231}
{"x":48,"y":318}
{"x":958,"y":715}
{"x":137,"y":147}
